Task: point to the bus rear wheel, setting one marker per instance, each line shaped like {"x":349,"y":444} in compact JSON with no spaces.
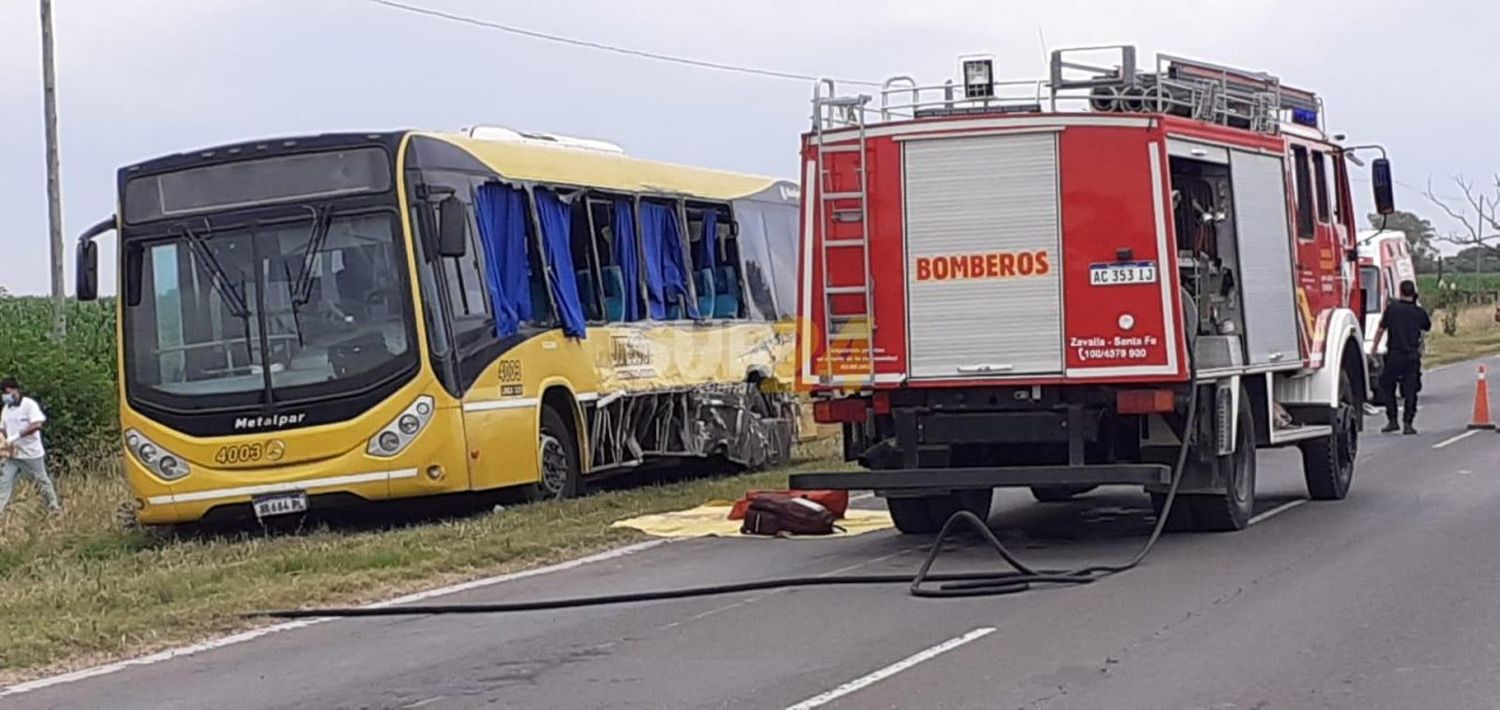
{"x":557,"y":459}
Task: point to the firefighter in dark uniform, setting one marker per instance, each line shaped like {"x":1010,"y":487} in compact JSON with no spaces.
{"x":1405,"y":322}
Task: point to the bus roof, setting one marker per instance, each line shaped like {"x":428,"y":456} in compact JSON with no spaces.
{"x":557,"y":165}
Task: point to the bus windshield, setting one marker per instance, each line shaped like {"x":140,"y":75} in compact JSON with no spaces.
{"x":321,"y":299}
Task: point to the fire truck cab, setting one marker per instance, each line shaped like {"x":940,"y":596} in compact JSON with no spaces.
{"x":1021,"y":283}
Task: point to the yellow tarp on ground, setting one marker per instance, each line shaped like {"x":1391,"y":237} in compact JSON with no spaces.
{"x":712,"y":520}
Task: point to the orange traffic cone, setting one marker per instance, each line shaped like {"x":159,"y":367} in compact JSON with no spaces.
{"x":1482,"y":418}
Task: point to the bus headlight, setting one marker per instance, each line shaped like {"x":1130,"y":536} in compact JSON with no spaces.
{"x":163,"y":463}
{"x":408,"y":424}
{"x":396,"y":436}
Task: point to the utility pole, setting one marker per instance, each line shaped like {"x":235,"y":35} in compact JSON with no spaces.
{"x":54,"y":189}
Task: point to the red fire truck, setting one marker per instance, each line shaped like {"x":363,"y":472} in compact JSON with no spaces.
{"x":1019,"y":283}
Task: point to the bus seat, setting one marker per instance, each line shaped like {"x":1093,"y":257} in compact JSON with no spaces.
{"x":705,"y":286}
{"x":614,"y":294}
{"x":726,"y":295}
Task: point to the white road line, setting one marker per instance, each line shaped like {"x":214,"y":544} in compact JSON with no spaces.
{"x":1445,"y":443}
{"x":860,"y":683}
{"x":253,"y":634}
{"x":1278,"y":510}
{"x":421,"y":703}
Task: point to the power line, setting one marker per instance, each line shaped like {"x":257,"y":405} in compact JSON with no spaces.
{"x":700,"y":63}
{"x":1416,"y":190}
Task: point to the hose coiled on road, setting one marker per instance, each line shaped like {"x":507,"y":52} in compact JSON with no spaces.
{"x":924,"y":584}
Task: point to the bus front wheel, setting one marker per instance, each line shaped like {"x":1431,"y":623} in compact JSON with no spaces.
{"x":557,"y":459}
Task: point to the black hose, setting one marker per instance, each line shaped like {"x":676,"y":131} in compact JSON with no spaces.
{"x":949,"y":585}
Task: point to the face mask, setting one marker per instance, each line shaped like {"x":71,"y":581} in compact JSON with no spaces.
{"x":12,"y":400}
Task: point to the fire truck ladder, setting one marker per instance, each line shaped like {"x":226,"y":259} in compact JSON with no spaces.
{"x":843,"y":215}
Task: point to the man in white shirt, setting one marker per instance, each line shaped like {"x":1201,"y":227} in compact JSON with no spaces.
{"x":23,"y":421}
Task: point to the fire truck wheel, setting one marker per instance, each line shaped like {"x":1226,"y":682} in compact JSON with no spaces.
{"x":1181,"y":519}
{"x":1328,"y":464}
{"x":1058,"y":494}
{"x":926,"y":515}
{"x":1230,"y":510}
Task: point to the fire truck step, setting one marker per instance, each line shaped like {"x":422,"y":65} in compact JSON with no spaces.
{"x":840,"y":290}
{"x":843,"y":196}
{"x":1300,"y":433}
{"x":833,"y":243}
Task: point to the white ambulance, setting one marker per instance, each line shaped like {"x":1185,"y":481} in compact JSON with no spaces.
{"x":1384,"y":262}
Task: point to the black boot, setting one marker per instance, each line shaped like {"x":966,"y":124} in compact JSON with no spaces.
{"x":1390,"y":426}
{"x":1409,"y":430}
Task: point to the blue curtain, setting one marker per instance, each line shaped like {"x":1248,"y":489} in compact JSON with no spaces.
{"x":652,"y":230}
{"x":666,"y":269}
{"x":557,"y":226}
{"x":675,"y":266}
{"x":706,"y":256}
{"x":501,"y":212}
{"x":625,"y":258}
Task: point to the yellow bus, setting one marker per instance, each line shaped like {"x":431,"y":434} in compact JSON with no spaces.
{"x":313,"y":321}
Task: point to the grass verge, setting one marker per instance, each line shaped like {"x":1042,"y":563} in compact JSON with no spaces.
{"x":1478,"y":335}
{"x":77,"y":590}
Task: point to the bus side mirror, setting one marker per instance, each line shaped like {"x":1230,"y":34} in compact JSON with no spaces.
{"x":86,"y":271}
{"x":135,"y":264}
{"x":453,"y":228}
{"x":1380,"y":178}
{"x":86,"y":261}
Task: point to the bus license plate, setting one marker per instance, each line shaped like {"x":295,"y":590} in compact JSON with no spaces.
{"x":1138,"y":272}
{"x":280,"y":504}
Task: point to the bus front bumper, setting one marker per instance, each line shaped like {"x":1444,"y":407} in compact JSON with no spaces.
{"x":193,"y":505}
{"x":430,"y":467}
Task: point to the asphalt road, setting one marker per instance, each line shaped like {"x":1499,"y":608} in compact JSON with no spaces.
{"x":1385,"y":600}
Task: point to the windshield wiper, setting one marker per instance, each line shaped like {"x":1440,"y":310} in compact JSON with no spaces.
{"x":302,"y":287}
{"x":218,"y":278}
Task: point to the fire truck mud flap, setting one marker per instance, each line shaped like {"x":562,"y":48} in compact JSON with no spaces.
{"x":926,"y":481}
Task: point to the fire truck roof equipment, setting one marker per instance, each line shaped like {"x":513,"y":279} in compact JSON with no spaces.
{"x":1098,"y":79}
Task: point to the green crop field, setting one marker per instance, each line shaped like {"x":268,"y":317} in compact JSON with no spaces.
{"x":74,"y":380}
{"x":1483,"y":285}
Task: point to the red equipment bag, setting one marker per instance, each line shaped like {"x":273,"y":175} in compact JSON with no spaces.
{"x":837,"y":502}
{"x":776,"y":513}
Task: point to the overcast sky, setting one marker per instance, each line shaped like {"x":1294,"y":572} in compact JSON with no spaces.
{"x":143,"y":78}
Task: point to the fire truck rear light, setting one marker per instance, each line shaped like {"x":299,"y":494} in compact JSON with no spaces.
{"x":1157,"y":401}
{"x":838,"y":411}
{"x":882,"y":400}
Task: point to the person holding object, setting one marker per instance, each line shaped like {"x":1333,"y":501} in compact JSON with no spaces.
{"x":1405,"y":322}
{"x":23,"y":453}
